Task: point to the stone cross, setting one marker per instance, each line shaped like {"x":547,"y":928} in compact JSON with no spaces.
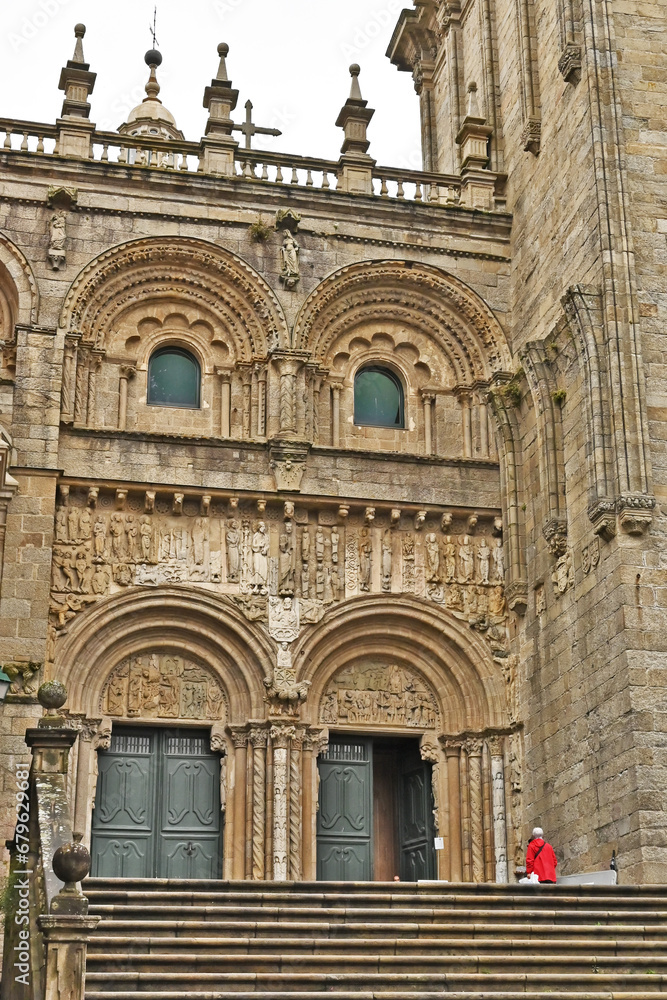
{"x":249,"y":128}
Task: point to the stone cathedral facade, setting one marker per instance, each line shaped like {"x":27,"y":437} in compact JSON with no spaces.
{"x":333,"y":492}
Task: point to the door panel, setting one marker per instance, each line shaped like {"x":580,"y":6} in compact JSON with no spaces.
{"x":416,"y":820}
{"x":157,"y":809}
{"x":345,"y":817}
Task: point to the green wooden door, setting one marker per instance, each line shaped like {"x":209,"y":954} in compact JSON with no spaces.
{"x":157,"y":809}
{"x":415,"y":820}
{"x":345,"y":816}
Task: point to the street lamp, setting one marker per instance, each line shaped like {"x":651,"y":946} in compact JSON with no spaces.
{"x":5,"y":681}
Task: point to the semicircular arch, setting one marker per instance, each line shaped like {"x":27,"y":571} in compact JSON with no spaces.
{"x":179,"y":269}
{"x":18,"y":285}
{"x":206,"y":628}
{"x":454,"y":662}
{"x":418,"y":296}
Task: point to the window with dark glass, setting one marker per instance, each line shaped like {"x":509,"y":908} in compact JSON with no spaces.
{"x":173,"y":378}
{"x":378,"y":398}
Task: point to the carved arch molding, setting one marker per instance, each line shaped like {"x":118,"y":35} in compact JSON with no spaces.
{"x":220,"y":282}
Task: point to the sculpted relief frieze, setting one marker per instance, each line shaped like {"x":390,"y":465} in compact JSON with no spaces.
{"x":378,"y":694}
{"x":282,"y":566}
{"x":162,"y":686}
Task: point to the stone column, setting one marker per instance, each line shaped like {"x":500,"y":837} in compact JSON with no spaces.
{"x":95,"y":365}
{"x":126,"y":373}
{"x":466,"y":417}
{"x":69,"y":368}
{"x":452,"y":755}
{"x":261,"y":402}
{"x":335,"y":415}
{"x":315,"y":743}
{"x":239,"y":740}
{"x":428,"y":399}
{"x":474,"y":754}
{"x":257,"y":739}
{"x":83,"y":767}
{"x":280,"y":739}
{"x":296,"y":806}
{"x":81,"y":388}
{"x":247,"y":404}
{"x":483,"y":429}
{"x":288,"y":373}
{"x":225,"y":401}
{"x":499,"y":814}
{"x":431,"y":752}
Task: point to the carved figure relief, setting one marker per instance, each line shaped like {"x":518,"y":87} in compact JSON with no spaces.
{"x":365,"y":560}
{"x":290,"y":271}
{"x":466,"y":561}
{"x":163,"y":686}
{"x":57,"y":239}
{"x":387,"y":554}
{"x":284,"y":618}
{"x":287,"y":561}
{"x":378,"y":693}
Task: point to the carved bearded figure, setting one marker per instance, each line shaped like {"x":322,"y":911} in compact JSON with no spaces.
{"x":286,"y":561}
{"x":484,"y":555}
{"x":432,"y":558}
{"x":365,"y":552}
{"x":466,"y":560}
{"x":233,"y":559}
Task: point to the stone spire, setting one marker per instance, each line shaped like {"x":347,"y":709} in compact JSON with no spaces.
{"x":220,"y":99}
{"x":356,"y":165}
{"x":151,"y":117}
{"x":76,"y":80}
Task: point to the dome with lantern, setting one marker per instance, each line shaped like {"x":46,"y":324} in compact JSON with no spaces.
{"x":151,"y":118}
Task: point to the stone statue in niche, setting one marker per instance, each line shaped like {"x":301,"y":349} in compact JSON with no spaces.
{"x":365,"y":560}
{"x":286,"y":561}
{"x":290,"y":271}
{"x":387,"y":552}
{"x":85,"y":525}
{"x":432,"y":558}
{"x":199,"y":540}
{"x":335,"y":542}
{"x":379,"y":694}
{"x":466,"y":560}
{"x":99,"y":537}
{"x":73,"y":524}
{"x":260,"y":559}
{"x":484,"y":556}
{"x":233,"y":555}
{"x":61,"y":525}
{"x":408,"y":564}
{"x":146,"y":538}
{"x":163,"y":686}
{"x":57,"y":240}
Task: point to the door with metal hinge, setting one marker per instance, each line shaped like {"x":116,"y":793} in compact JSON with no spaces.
{"x":345,"y":816}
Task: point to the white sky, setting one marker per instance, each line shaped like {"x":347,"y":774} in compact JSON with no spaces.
{"x":289,"y":58}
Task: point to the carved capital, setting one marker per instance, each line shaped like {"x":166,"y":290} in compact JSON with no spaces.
{"x":496,"y":744}
{"x":474,"y":747}
{"x":517,"y":596}
{"x":238,"y":736}
{"x":635,"y":512}
{"x":430,"y":751}
{"x":602,"y":515}
{"x":531,"y":135}
{"x":316,"y":740}
{"x":281,"y":736}
{"x":257,"y":737}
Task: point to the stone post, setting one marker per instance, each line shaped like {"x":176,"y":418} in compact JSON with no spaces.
{"x":335,"y":414}
{"x":355,"y":166}
{"x":477,"y":182}
{"x":75,"y":131}
{"x":69,"y":367}
{"x":280,"y":739}
{"x":218,"y":146}
{"x":257,"y":740}
{"x":466,"y":421}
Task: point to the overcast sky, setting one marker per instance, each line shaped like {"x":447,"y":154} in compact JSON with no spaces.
{"x":289,"y":58}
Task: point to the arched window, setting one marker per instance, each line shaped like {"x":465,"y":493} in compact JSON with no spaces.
{"x":378,"y":398}
{"x":173,"y":378}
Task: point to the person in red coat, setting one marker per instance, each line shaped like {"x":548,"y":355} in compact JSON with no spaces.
{"x":541,"y":857}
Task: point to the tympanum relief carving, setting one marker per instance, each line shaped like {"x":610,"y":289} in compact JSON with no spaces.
{"x":162,"y":686}
{"x":378,"y":694}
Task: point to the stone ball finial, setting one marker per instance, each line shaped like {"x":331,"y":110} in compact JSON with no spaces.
{"x":223,"y":49}
{"x":355,"y":69}
{"x":79,"y":30}
{"x":153,"y":58}
{"x":52,"y":695}
{"x":71,"y":862}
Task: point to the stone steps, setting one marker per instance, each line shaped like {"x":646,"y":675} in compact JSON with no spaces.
{"x":202,"y":940}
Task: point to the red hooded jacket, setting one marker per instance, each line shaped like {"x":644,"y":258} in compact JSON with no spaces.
{"x":541,"y":859}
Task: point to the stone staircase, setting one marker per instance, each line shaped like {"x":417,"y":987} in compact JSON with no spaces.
{"x":172,"y":940}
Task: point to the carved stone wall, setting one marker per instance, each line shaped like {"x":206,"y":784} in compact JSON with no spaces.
{"x":163,"y":686}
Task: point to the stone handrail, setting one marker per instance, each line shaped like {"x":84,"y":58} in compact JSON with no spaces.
{"x":155,"y":152}
{"x":28,"y":137}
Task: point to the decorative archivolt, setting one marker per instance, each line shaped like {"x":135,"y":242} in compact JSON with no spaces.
{"x":19,"y":296}
{"x":454,"y":676}
{"x":419,"y":297}
{"x":203,"y":632}
{"x":202,"y":275}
